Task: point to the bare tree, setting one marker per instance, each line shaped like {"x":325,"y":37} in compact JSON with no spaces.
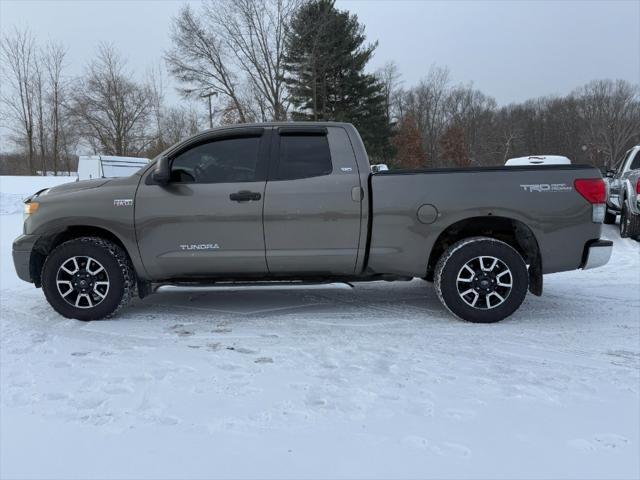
{"x":611,"y":110}
{"x":235,"y":48}
{"x":39,"y":100}
{"x":179,"y":123}
{"x":255,"y":31}
{"x":156,"y":90}
{"x":110,"y":108}
{"x":200,"y":60}
{"x":18,"y":52}
{"x":409,"y":146}
{"x":53,"y":59}
{"x":427,"y":103}
{"x":389,"y":76}
{"x":469,"y":114}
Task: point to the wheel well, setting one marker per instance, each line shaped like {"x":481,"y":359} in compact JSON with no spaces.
{"x":45,"y":245}
{"x":508,"y":230}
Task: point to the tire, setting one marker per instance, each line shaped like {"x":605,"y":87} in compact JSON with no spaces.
{"x":468,"y":266}
{"x":88,"y":278}
{"x":629,"y":223}
{"x":624,"y":222}
{"x":609,"y":217}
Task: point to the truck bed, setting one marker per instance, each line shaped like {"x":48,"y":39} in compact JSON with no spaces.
{"x":411,"y":209}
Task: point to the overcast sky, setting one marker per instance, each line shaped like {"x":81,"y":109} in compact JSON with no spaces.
{"x":511,"y":50}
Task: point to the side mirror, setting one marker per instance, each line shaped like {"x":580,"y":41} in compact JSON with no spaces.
{"x":379,"y":167}
{"x":162,"y":171}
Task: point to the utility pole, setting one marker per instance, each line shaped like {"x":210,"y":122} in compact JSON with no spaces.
{"x":208,"y":96}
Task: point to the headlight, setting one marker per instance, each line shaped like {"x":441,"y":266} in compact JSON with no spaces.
{"x":30,"y":208}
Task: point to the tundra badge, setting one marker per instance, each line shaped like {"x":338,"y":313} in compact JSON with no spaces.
{"x":200,"y":246}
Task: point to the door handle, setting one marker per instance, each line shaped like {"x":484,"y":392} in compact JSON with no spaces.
{"x":245,"y":196}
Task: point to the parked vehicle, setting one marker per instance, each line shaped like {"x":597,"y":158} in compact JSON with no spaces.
{"x":107,"y":166}
{"x":616,"y":179}
{"x":630,"y":199}
{"x":538,"y":160}
{"x":297,"y":203}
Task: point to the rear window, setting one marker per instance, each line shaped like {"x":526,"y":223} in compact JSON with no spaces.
{"x":303,"y":156}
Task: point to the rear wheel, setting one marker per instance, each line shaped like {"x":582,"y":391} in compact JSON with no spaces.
{"x":481,"y":279}
{"x":88,"y":278}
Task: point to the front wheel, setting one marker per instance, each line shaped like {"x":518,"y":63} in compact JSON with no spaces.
{"x":88,"y":278}
{"x":481,"y":279}
{"x":629,"y":223}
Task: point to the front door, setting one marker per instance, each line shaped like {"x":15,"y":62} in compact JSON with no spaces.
{"x":207,"y":222}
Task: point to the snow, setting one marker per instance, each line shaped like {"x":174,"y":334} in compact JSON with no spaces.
{"x":373,"y":382}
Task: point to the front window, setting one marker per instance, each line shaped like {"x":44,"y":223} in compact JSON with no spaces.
{"x":231,"y":160}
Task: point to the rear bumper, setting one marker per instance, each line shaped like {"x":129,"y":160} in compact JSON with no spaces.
{"x":597,"y":254}
{"x":22,"y":248}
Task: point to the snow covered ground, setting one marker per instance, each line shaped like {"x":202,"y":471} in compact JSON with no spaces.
{"x":378,"y":381}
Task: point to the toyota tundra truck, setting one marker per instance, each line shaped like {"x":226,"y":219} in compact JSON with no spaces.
{"x":297,"y":202}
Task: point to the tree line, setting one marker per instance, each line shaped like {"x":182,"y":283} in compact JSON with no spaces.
{"x":280,"y":60}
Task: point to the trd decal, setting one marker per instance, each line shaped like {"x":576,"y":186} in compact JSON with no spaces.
{"x":547,"y":187}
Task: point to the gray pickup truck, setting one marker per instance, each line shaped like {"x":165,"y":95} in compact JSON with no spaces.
{"x":630,"y":199}
{"x":622,"y":193}
{"x":297,"y":202}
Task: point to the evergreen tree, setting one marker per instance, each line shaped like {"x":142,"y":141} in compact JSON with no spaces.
{"x":325,"y":61}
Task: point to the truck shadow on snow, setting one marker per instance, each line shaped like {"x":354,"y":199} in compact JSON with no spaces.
{"x":364,"y":305}
{"x":323,"y":300}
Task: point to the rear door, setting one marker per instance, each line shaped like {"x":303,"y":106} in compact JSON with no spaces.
{"x":312,"y":203}
{"x":207,"y":222}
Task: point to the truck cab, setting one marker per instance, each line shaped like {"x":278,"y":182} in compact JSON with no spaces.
{"x":214,"y":213}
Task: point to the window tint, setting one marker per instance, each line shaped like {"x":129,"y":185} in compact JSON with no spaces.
{"x":303,"y":156}
{"x":635,"y":163}
{"x":220,"y":161}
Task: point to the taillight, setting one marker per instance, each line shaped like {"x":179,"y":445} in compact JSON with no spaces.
{"x":592,"y":189}
{"x":638,"y":187}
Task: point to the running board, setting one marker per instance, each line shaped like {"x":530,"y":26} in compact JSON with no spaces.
{"x":247,"y":284}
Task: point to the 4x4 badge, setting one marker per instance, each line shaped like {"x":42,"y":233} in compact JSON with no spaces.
{"x":123,"y":202}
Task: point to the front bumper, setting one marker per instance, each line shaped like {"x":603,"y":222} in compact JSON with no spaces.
{"x":597,"y":254}
{"x":22,"y":248}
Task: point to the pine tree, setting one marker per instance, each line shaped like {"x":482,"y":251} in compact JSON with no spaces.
{"x":325,"y":62}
